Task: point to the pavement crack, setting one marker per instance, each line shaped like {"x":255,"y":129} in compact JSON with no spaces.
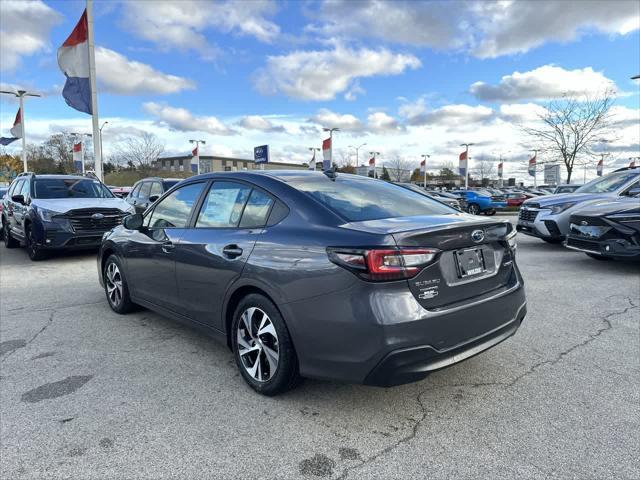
{"x":592,"y":337}
{"x":37,"y":334}
{"x":407,"y":438}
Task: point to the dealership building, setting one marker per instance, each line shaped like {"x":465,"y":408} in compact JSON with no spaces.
{"x":221,"y":164}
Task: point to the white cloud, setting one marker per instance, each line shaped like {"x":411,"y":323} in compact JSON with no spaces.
{"x":548,"y":81}
{"x":457,"y":114}
{"x":521,"y":112}
{"x":256,"y":122}
{"x":183,"y":120}
{"x":181,"y":25}
{"x":117,"y":74}
{"x":321,"y":75}
{"x":327,"y":118}
{"x":485,"y":29}
{"x":24,"y":30}
{"x":380,"y":122}
{"x":518,"y":26}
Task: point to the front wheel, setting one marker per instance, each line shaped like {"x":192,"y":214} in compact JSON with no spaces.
{"x":35,"y":252}
{"x":115,"y":286}
{"x":489,"y":213}
{"x":262,"y":346}
{"x":474,"y":209}
{"x":9,"y":241}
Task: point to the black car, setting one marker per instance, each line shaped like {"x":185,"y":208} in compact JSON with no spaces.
{"x":56,"y":212}
{"x":146,"y":191}
{"x":607,"y":229}
{"x":308,"y":274}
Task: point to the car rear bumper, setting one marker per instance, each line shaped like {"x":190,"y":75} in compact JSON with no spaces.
{"x":383,"y":336}
{"x":415,"y":363}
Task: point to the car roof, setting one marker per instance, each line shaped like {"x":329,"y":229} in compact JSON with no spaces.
{"x":282,"y":175}
{"x":162,"y":179}
{"x":54,"y":176}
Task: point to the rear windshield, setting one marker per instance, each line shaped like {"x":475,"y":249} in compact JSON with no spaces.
{"x":70,"y":187}
{"x":360,"y":200}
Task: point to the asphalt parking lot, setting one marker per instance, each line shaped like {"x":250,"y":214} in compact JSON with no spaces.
{"x":85,"y":393}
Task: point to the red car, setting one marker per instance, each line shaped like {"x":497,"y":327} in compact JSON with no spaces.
{"x":121,"y":192}
{"x":516,"y":199}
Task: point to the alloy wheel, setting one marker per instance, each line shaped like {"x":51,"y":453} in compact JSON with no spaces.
{"x":258,"y":345}
{"x":113,"y":280}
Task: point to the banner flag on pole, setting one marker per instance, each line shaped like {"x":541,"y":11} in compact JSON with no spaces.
{"x":195,"y":160}
{"x":73,"y":60}
{"x":312,"y":163}
{"x":326,"y":154}
{"x":599,"y":167}
{"x":462,"y":167}
{"x":77,"y":157}
{"x":532,"y":165}
{"x":16,"y":130}
{"x":632,"y":164}
{"x":500,"y":166}
{"x":423,"y":166}
{"x":372,"y":164}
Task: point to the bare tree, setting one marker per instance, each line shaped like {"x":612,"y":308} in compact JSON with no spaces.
{"x":484,"y":167}
{"x":571,"y":126}
{"x":399,"y":168}
{"x":139,"y":151}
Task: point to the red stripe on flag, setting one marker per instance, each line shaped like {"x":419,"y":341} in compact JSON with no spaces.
{"x":77,"y":147}
{"x":18,"y":119}
{"x":79,"y":33}
{"x":463,"y":156}
{"x":326,"y":144}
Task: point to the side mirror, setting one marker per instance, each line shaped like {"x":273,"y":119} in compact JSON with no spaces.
{"x":153,"y":198}
{"x":133,"y":221}
{"x":634,"y":192}
{"x":18,"y":199}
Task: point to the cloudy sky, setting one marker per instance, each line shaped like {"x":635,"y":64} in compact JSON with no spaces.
{"x":405,"y":77}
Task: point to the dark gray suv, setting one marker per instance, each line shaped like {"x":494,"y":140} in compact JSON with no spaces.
{"x":305,"y":274}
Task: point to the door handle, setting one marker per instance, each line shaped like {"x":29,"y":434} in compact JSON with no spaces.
{"x":232,"y":251}
{"x":167,"y":247}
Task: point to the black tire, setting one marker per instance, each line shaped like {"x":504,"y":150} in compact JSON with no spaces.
{"x":9,"y":241}
{"x":490,"y":213}
{"x":36,"y":253}
{"x":120,"y":303}
{"x":473,"y":209}
{"x":554,"y":241}
{"x":599,"y":257}
{"x":286,"y":374}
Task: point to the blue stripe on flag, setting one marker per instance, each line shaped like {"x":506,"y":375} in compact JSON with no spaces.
{"x":77,"y":94}
{"x":7,"y":140}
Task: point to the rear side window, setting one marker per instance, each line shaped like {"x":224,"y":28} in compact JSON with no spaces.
{"x":224,"y":205}
{"x":359,"y":200}
{"x":257,"y":210}
{"x":174,"y":210}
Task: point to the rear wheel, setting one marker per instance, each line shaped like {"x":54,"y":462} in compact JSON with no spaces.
{"x":262,"y":346}
{"x":35,"y":252}
{"x":115,"y":286}
{"x":602,"y":258}
{"x":490,"y":213}
{"x":474,"y":209}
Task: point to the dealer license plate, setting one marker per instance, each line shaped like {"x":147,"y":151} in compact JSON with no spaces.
{"x":470,"y":262}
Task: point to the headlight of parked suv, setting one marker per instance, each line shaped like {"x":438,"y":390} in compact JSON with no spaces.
{"x":47,"y":215}
{"x":561,"y":207}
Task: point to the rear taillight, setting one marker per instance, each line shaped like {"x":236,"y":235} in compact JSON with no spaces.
{"x":383,"y":264}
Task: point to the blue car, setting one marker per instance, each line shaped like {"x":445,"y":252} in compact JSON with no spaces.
{"x":480,"y":201}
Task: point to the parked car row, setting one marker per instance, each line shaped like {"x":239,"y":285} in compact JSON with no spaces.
{"x":601,"y":218}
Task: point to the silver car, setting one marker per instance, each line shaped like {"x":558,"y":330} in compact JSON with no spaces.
{"x":547,"y":217}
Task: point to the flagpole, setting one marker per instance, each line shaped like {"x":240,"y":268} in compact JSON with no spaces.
{"x":24,"y":134}
{"x":424,"y":157}
{"x":97,"y":150}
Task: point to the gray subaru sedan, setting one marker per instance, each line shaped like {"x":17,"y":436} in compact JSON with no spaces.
{"x":324,"y":275}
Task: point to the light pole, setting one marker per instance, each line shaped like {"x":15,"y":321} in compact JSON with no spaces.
{"x":198,"y":142}
{"x":633,"y":159}
{"x":375,"y":158}
{"x":314,"y":150}
{"x":466,"y":170}
{"x":424,"y":159}
{"x":357,"y":149}
{"x":330,"y":130}
{"x":21,"y":94}
{"x":81,"y":135}
{"x":101,"y":150}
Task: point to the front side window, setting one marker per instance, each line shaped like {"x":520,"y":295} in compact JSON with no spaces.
{"x":360,"y":199}
{"x":69,"y":188}
{"x":25,"y":189}
{"x":224,"y":205}
{"x":156,"y":189}
{"x":145,"y":190}
{"x":15,"y":188}
{"x":174,"y":210}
